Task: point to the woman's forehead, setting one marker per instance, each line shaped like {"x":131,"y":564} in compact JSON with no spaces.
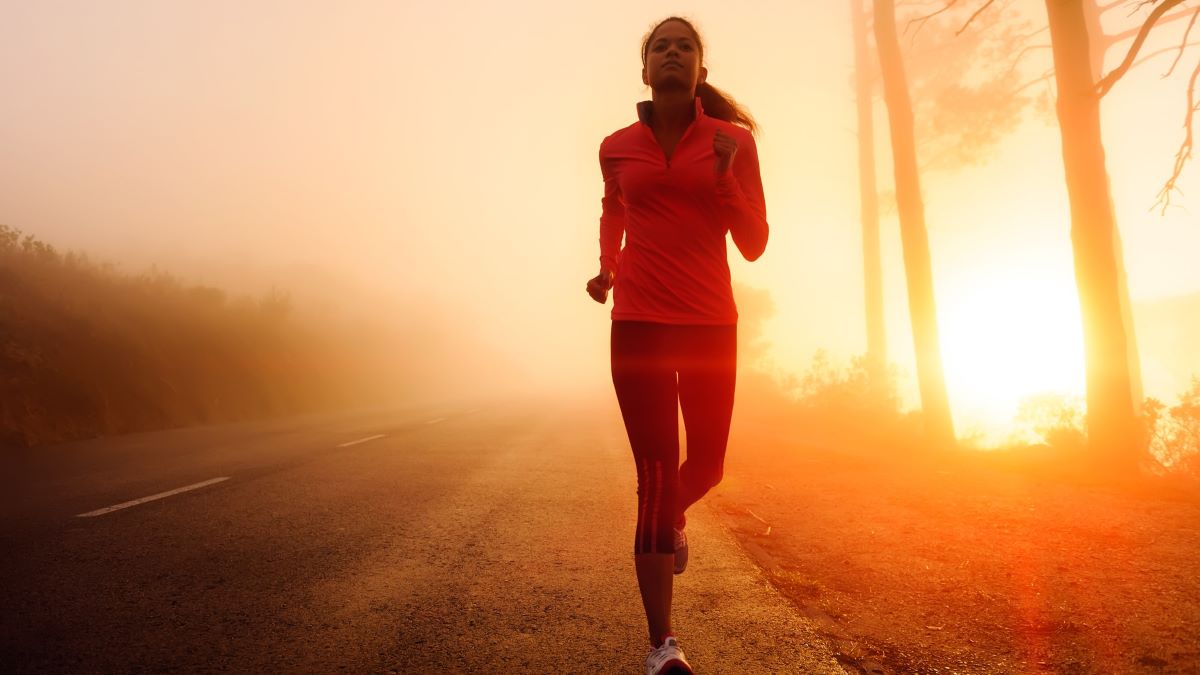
{"x":672,"y":30}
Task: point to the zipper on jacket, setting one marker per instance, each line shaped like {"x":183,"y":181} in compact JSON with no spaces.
{"x":688,"y":130}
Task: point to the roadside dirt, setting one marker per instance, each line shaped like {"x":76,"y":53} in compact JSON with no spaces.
{"x":964,"y":566}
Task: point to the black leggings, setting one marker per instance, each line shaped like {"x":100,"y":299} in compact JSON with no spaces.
{"x":647,"y":357}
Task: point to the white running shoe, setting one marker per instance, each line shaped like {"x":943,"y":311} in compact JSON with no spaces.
{"x":668,"y":659}
{"x":681,"y":551}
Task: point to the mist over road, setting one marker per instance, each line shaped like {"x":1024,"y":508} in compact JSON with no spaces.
{"x":488,"y":537}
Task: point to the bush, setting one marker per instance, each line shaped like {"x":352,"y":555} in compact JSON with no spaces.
{"x":832,"y":405}
{"x":1171,"y":434}
{"x":1174,"y":433}
{"x":1056,"y":420}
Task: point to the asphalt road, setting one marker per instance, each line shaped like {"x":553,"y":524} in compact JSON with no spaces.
{"x":492,"y":537}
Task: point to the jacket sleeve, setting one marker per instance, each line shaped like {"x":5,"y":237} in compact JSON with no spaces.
{"x":612,"y":216}
{"x":741,"y":202}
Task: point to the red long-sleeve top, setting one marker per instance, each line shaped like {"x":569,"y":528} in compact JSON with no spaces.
{"x":674,"y":216}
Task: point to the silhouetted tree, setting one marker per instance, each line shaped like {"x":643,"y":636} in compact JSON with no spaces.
{"x":1114,"y":434}
{"x":935,"y":405}
{"x":1100,"y":44}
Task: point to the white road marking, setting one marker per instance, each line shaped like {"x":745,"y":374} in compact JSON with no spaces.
{"x":361,"y":440}
{"x":435,"y":421}
{"x":143,"y":500}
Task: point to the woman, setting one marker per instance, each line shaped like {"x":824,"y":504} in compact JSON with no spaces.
{"x":675,"y":182}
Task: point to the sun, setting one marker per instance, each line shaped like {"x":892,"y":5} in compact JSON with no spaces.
{"x":1004,"y":338}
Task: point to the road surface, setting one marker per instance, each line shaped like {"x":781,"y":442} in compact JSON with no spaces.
{"x":487,"y":538}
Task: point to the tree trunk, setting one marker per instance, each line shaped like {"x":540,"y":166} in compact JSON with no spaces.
{"x":914,"y":239}
{"x":1111,"y":423}
{"x":868,"y":195}
{"x":1132,"y":355}
{"x":1098,"y":45}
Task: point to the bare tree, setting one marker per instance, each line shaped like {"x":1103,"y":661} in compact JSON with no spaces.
{"x":935,"y":405}
{"x":1113,"y":430}
{"x":868,"y":193}
{"x":1100,"y":44}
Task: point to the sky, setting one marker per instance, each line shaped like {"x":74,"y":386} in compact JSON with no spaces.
{"x":399,"y":155}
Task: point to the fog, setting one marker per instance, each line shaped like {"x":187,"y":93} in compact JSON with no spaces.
{"x":434,"y":166}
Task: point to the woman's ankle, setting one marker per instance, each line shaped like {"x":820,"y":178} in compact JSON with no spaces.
{"x":662,"y":639}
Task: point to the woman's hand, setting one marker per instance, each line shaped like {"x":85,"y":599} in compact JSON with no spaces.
{"x":598,"y":286}
{"x":724,"y":147}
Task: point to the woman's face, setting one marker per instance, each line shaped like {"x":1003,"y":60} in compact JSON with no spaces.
{"x":673,"y":59}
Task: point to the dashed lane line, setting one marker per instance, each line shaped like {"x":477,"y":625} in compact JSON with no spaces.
{"x":143,"y":500}
{"x":361,"y":440}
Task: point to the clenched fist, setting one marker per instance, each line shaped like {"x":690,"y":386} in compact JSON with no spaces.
{"x":724,"y":147}
{"x":598,"y":286}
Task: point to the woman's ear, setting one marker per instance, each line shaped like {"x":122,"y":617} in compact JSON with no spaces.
{"x":645,"y":77}
{"x":703,"y":75}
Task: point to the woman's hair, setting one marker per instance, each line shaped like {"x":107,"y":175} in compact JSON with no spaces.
{"x":716,"y":103}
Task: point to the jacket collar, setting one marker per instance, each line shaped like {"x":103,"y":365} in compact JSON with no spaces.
{"x":644,"y":109}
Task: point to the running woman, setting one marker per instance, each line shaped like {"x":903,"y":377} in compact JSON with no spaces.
{"x":675,"y":182}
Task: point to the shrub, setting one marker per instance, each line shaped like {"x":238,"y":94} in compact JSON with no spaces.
{"x":1055,"y":419}
{"x":1174,"y":432}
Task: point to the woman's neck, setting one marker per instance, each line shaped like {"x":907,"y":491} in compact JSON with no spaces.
{"x":673,"y":110}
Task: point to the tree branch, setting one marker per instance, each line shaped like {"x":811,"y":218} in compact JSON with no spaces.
{"x":1040,"y":30}
{"x":1185,"y":148}
{"x":1017,"y":59}
{"x":1113,"y":39}
{"x":972,"y":17}
{"x":1109,"y":80}
{"x":922,"y":19}
{"x":1165,"y":50}
{"x":1044,"y":77}
{"x":1140,"y":4}
{"x":1183,"y":43}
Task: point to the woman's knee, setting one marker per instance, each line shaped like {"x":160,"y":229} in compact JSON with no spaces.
{"x":714,"y":477}
{"x":706,"y":477}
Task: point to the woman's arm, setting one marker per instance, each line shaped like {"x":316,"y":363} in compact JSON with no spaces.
{"x":740,"y":200}
{"x":612,"y":218}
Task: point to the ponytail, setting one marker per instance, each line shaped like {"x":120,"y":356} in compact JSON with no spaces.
{"x":720,"y":105}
